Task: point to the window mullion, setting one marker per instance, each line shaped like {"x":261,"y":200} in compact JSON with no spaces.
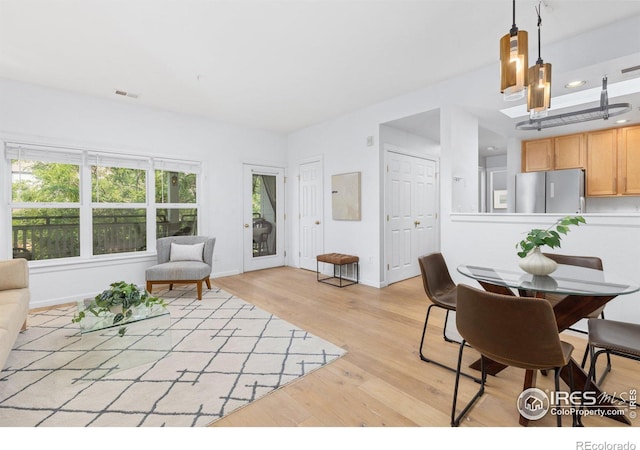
{"x":151,"y":209}
{"x":86,"y":218}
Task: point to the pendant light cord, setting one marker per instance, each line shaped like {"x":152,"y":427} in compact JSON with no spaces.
{"x":514,"y":28}
{"x":539,"y":61}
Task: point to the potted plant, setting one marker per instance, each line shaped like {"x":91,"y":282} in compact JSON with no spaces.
{"x":532,"y":260}
{"x":118,"y":304}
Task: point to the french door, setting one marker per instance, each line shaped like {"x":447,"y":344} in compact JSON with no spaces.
{"x":263,"y":217}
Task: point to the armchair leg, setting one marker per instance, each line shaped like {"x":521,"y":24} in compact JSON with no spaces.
{"x":199,"y":283}
{"x":149,"y":286}
{"x":208,"y":281}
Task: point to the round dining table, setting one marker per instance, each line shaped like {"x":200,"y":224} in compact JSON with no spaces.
{"x":583,"y":291}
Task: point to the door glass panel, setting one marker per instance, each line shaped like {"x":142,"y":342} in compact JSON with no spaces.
{"x":264,"y":215}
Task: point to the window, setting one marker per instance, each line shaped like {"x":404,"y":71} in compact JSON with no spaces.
{"x":118,"y":204}
{"x":176,"y":199}
{"x":45,"y":204}
{"x":122,"y":194}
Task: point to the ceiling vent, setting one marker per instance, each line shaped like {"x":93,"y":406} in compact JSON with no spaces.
{"x":126,"y":94}
{"x":604,"y":111}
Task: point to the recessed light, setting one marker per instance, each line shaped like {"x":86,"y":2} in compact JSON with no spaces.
{"x":575,"y":84}
{"x":491,"y":148}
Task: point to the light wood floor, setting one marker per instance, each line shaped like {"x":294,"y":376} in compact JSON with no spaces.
{"x":381,"y":381}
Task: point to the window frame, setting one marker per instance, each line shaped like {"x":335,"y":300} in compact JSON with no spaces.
{"x":85,"y":158}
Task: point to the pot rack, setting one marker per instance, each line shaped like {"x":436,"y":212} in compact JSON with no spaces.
{"x":604,"y":111}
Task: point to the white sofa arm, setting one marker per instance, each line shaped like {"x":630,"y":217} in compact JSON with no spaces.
{"x":14,"y":274}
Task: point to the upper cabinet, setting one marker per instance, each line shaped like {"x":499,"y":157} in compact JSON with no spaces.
{"x":611,"y":159}
{"x":602,"y":163}
{"x":561,"y":152}
{"x":629,"y":160}
{"x":537,"y":155}
{"x":569,"y":152}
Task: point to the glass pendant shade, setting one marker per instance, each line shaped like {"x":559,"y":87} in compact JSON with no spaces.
{"x":539,"y":90}
{"x":514,"y":64}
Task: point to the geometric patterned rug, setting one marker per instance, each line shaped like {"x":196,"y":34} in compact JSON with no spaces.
{"x":215,"y":355}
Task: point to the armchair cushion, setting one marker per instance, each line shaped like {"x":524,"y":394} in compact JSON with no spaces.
{"x":192,"y":252}
{"x":178,"y":270}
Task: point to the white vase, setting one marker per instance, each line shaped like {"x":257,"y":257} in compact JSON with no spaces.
{"x":536,"y":263}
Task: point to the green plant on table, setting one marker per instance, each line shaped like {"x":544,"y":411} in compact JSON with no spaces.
{"x":120,"y":300}
{"x":550,"y":237}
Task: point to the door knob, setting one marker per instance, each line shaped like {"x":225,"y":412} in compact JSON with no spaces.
{"x":416,"y":223}
{"x":317,"y":222}
{"x":246,"y":225}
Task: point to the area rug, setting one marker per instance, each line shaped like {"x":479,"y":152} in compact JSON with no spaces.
{"x":221,"y":354}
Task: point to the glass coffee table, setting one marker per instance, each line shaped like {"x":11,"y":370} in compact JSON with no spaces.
{"x":142,"y":338}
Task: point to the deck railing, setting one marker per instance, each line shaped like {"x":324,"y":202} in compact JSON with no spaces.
{"x":43,"y":237}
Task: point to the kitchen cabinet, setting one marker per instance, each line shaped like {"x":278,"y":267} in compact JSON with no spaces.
{"x":610,"y":157}
{"x":557,"y":153}
{"x":629,"y":161}
{"x":537,"y":155}
{"x":602,"y":163}
{"x":569,"y":152}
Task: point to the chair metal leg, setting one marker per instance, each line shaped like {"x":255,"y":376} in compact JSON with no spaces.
{"x":557,"y":385}
{"x":444,"y":330}
{"x":607,"y":368}
{"x":425,"y":359}
{"x":455,"y":420}
{"x":577,"y":421}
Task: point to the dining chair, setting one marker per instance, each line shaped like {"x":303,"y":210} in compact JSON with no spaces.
{"x":442,"y":292}
{"x":590,"y":262}
{"x":515,"y":331}
{"x":611,"y":337}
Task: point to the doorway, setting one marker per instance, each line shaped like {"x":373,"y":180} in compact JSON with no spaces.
{"x":263,"y":217}
{"x":411,"y":217}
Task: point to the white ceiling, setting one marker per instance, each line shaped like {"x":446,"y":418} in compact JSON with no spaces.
{"x":275,"y":65}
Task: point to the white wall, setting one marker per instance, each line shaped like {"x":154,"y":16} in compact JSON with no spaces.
{"x":47,"y":116}
{"x":409,"y":142}
{"x":490,"y":240}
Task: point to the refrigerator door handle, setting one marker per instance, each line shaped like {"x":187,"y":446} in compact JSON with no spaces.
{"x":552,"y":190}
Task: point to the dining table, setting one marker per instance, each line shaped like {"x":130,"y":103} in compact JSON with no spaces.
{"x":583,"y":291}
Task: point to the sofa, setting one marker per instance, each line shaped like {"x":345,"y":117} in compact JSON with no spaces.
{"x":14,"y":304}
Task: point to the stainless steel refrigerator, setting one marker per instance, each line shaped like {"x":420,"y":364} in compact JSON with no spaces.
{"x":556,"y":191}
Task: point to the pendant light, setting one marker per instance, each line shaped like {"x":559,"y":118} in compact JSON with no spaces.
{"x":514,"y":61}
{"x":539,"y":90}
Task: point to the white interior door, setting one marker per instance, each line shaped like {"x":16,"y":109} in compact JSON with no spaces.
{"x":263,"y":217}
{"x":311,"y":214}
{"x":411,"y":213}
